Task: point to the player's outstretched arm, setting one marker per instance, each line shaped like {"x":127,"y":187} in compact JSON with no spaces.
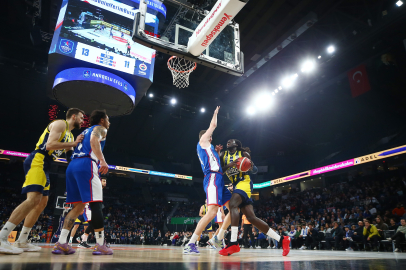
{"x":98,"y":134}
{"x":55,"y":131}
{"x":205,"y":139}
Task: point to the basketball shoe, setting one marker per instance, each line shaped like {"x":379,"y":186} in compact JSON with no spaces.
{"x":102,"y":250}
{"x":230,"y":249}
{"x":84,"y":244}
{"x":7,"y":248}
{"x":216,"y":243}
{"x":285,"y":245}
{"x":191,"y":249}
{"x":27,"y":247}
{"x":63,"y":249}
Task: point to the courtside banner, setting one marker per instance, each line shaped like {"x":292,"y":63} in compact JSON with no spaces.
{"x":222,"y":13}
{"x":186,"y":221}
{"x":111,"y":167}
{"x":336,"y":166}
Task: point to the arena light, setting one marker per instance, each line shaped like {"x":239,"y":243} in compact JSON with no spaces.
{"x":173,"y":101}
{"x":262,"y":102}
{"x":251,"y":110}
{"x":308,"y":66}
{"x":319,"y":57}
{"x":151,"y":95}
{"x":280,"y":87}
{"x":331,"y":49}
{"x":399,"y":3}
{"x":202,"y":110}
{"x":288,"y":81}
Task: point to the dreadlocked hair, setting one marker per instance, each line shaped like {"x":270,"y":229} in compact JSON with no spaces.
{"x":240,"y":148}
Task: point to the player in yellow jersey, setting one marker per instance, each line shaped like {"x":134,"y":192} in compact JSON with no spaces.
{"x":241,"y":198}
{"x":209,"y":227}
{"x":55,"y":140}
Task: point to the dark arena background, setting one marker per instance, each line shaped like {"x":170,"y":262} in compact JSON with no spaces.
{"x":321,"y":104}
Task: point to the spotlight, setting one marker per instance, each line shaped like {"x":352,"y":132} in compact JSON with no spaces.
{"x":308,"y":66}
{"x":151,"y":95}
{"x":263,"y":101}
{"x":276,"y":90}
{"x":280,"y":87}
{"x":330,"y":49}
{"x":399,"y":3}
{"x":173,"y":101}
{"x":250,"y":110}
{"x":319,"y":57}
{"x":288,"y":81}
{"x":202,"y":110}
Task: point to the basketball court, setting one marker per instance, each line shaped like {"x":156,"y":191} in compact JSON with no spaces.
{"x":162,"y":257}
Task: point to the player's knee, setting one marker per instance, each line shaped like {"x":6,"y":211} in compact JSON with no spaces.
{"x":43,"y":203}
{"x":34,"y":199}
{"x":233,"y":205}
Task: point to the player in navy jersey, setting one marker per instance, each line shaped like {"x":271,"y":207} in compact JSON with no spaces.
{"x":213,"y":184}
{"x":83,"y":183}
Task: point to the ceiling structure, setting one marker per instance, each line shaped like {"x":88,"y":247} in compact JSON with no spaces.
{"x":314,"y":119}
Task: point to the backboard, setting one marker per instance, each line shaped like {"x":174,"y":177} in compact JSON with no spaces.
{"x":169,"y":33}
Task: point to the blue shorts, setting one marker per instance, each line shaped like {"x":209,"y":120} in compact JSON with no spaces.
{"x":216,"y":192}
{"x":246,"y":200}
{"x":83,"y":184}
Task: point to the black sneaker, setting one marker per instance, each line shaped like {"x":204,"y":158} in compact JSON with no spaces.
{"x":84,"y":244}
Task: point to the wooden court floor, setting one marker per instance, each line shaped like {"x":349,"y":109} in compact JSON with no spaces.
{"x":158,"y":257}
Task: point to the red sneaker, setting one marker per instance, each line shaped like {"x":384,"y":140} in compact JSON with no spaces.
{"x":229,"y":250}
{"x":286,"y":245}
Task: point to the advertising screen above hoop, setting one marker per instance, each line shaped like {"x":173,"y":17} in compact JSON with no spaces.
{"x":100,"y":32}
{"x":208,"y":37}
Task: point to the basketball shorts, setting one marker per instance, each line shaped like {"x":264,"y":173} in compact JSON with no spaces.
{"x":216,"y":192}
{"x":244,"y":188}
{"x":81,"y":219}
{"x":208,"y":228}
{"x":87,"y":214}
{"x":36,"y":168}
{"x":218,"y":218}
{"x":83,"y":183}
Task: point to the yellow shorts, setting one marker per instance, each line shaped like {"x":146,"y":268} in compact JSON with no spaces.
{"x":244,"y":188}
{"x":36,"y":168}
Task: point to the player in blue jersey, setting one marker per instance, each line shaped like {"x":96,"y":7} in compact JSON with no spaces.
{"x":83,"y":184}
{"x":213,"y":184}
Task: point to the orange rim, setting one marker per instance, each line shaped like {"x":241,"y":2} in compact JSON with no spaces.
{"x":180,"y":71}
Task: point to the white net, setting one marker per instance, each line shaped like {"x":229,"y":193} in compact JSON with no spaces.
{"x":181,"y":69}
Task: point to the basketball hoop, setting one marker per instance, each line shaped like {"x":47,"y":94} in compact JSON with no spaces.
{"x":181,"y":69}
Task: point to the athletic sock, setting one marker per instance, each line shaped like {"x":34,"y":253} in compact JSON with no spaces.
{"x":220,"y":236}
{"x":234,"y":233}
{"x":84,"y":237}
{"x":271,"y":233}
{"x":7,"y":229}
{"x":25,"y":232}
{"x":100,"y":238}
{"x":193,"y":239}
{"x":64,"y":236}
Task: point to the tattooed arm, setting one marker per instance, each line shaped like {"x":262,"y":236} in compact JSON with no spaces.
{"x":98,"y":134}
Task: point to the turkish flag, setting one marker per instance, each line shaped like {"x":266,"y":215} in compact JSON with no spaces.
{"x":359,"y":81}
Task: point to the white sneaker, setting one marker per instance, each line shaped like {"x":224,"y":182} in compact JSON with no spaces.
{"x":315,"y":248}
{"x":7,"y":248}
{"x":349,"y":249}
{"x":27,"y":247}
{"x":274,"y":247}
{"x":304,"y":247}
{"x":397,"y":250}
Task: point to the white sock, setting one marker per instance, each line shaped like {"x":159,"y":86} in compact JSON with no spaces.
{"x":7,"y":229}
{"x":25,"y":232}
{"x":84,"y":237}
{"x":100,"y":238}
{"x":220,"y":236}
{"x":64,"y":236}
{"x":271,"y":233}
{"x":234,"y":233}
{"x":70,"y":239}
{"x":193,"y":239}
